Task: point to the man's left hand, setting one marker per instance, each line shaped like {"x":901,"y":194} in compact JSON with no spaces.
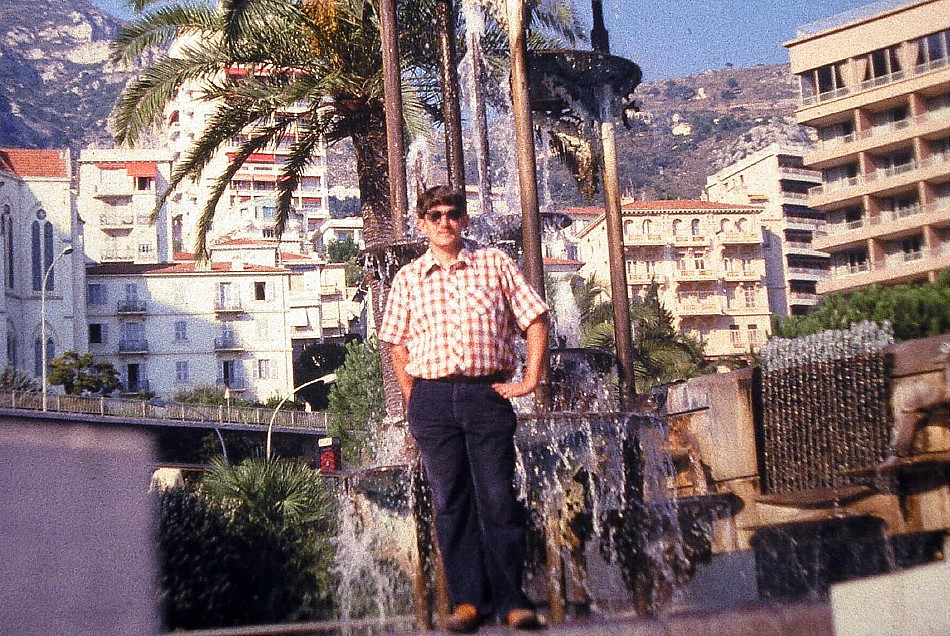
{"x":510,"y":390}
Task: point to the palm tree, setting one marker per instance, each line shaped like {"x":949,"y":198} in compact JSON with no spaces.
{"x":661,"y":355}
{"x":314,"y":66}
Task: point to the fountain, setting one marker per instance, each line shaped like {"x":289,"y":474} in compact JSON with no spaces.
{"x":631,"y":507}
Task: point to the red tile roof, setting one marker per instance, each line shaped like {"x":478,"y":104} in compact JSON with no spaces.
{"x":562,"y":261}
{"x":35,"y":163}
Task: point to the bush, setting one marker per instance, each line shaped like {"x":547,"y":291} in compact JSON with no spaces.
{"x":356,"y":400}
{"x":252,"y":546}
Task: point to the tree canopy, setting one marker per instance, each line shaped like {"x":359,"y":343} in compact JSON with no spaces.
{"x":914,"y":310}
{"x":79,"y":373}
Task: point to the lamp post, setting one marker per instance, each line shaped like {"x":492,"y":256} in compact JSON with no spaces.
{"x":49,"y":270}
{"x":331,"y":377}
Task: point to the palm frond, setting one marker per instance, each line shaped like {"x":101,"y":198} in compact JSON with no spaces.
{"x":161,"y":28}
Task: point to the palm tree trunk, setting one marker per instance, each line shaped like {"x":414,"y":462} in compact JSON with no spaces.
{"x":372,"y":172}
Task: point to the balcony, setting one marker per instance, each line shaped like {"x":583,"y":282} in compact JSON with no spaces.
{"x":227,"y":343}
{"x":888,"y":222}
{"x":117,"y":254}
{"x":742,"y":274}
{"x":644,"y":239}
{"x":802,"y":248}
{"x":742,"y":307}
{"x":130,"y":307}
{"x":111,"y":190}
{"x":330,"y":290}
{"x":894,"y":268}
{"x":833,"y":150}
{"x":694,"y":275}
{"x":690,"y":240}
{"x":133,"y":346}
{"x":698,"y":304}
{"x":799,"y":174}
{"x":116,"y":221}
{"x":228,"y":306}
{"x":740,"y":238}
{"x":813,"y":274}
{"x":803,"y":298}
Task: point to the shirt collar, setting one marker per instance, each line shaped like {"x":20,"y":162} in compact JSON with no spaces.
{"x":428,"y":261}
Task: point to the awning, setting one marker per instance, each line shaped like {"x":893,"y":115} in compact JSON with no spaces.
{"x":299,"y":318}
{"x":142,"y":169}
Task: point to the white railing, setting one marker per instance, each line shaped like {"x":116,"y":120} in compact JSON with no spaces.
{"x":172,"y":411}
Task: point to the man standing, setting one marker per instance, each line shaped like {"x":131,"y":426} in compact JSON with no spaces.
{"x":451,"y":318}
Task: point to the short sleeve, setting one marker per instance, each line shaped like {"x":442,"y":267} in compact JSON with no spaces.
{"x":525,"y":302}
{"x":394,"y":326}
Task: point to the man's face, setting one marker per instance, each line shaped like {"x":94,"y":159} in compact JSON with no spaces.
{"x":443,"y":225}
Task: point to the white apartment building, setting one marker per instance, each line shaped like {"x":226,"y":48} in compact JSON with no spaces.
{"x":875,"y":86}
{"x":232,"y":322}
{"x":707,"y":259}
{"x":37,"y":223}
{"x":775,"y":180}
{"x":248,"y":207}
{"x":118,"y":192}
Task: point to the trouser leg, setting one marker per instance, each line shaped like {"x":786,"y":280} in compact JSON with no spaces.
{"x":441,"y":442}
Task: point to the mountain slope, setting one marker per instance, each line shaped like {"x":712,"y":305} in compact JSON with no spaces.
{"x":57,"y":88}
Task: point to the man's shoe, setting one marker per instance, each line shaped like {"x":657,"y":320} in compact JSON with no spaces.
{"x":464,"y":620}
{"x":523,"y":618}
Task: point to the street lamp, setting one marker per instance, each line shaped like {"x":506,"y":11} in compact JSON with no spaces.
{"x":49,"y":270}
{"x":331,"y":377}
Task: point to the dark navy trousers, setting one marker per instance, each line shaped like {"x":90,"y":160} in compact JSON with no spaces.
{"x":465,"y":433}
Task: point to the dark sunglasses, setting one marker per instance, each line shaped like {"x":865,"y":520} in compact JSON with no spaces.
{"x":436,"y":215}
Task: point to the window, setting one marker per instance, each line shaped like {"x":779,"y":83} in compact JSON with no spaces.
{"x":181,"y":371}
{"x":95,"y":294}
{"x":735,"y":335}
{"x":145,"y":248}
{"x":38,"y":355}
{"x":181,"y":330}
{"x":881,"y":66}
{"x":753,"y":334}
{"x":48,"y":253}
{"x":260,"y":290}
{"x":263,"y":369}
{"x":11,"y":349}
{"x":36,"y":251}
{"x":269,"y":232}
{"x":932,"y":51}
{"x":10,"y":254}
{"x":97,"y":333}
{"x":694,"y":227}
{"x":143,"y":183}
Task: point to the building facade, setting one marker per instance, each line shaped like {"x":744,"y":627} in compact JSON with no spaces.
{"x":118,"y":192}
{"x":234,"y":322}
{"x":875,"y":85}
{"x":38,"y":225}
{"x":774,"y":179}
{"x":707,"y":260}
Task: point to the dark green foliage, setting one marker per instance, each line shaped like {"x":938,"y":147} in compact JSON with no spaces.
{"x":252,"y":546}
{"x":661,"y":354}
{"x":356,"y":399}
{"x":342,"y":250}
{"x":915,"y":311}
{"x":209,"y":394}
{"x":79,"y":374}
{"x":12,"y":379}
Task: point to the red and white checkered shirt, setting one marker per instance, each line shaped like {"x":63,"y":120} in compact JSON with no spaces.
{"x":461,"y":320}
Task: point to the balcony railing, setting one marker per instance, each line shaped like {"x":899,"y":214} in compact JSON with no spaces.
{"x":644,"y":239}
{"x":133,"y":345}
{"x":117,"y":254}
{"x":740,"y":237}
{"x":130,"y":307}
{"x":691,"y":239}
{"x":117,"y":219}
{"x":227,"y":343}
{"x":228,"y":305}
{"x":874,"y":82}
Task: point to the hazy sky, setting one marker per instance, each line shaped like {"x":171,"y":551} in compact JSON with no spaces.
{"x":671,"y":38}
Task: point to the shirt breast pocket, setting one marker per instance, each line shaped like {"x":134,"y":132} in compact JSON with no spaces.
{"x":483,"y":300}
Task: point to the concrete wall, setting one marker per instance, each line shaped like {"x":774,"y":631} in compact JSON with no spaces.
{"x":76,"y":529}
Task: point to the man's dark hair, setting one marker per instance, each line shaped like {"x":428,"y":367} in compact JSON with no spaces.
{"x":439,"y":195}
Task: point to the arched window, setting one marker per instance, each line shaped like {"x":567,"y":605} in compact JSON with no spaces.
{"x":694,"y":227}
{"x":48,"y":253}
{"x":11,"y":347}
{"x":647,"y":226}
{"x":8,"y":237}
{"x":677,"y":227}
{"x":741,"y":225}
{"x":38,"y":355}
{"x":36,"y":250}
{"x":725,"y":225}
{"x":628,"y":228}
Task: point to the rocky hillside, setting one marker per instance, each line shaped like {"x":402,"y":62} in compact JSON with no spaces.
{"x":57,"y":88}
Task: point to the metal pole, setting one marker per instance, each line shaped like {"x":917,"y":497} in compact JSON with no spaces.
{"x":623,"y":337}
{"x":392,"y":88}
{"x":43,"y":352}
{"x":449,"y":81}
{"x":599,"y":40}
